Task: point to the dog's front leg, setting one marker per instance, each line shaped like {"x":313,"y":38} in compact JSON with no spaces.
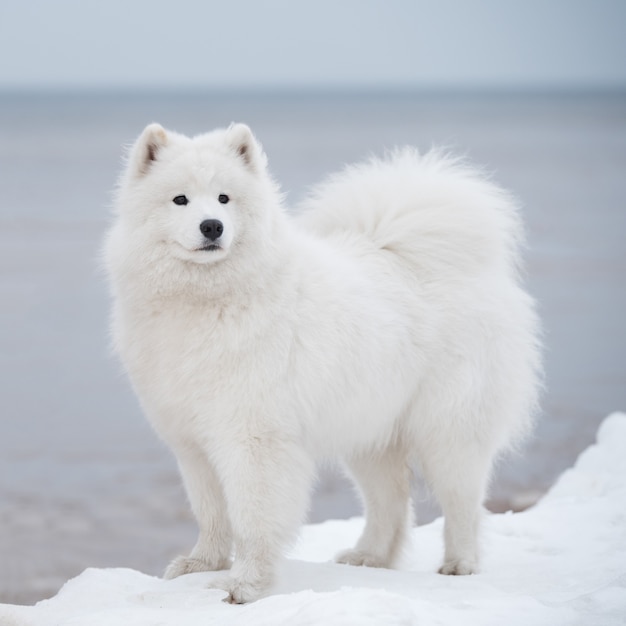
{"x":213,"y":548}
{"x":266,"y":480}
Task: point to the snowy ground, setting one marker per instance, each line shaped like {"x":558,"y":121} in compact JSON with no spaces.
{"x":561,"y":562}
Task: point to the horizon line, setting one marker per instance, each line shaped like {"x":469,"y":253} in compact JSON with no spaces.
{"x":311,"y":90}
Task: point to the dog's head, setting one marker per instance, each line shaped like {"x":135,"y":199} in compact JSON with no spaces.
{"x":197,"y":199}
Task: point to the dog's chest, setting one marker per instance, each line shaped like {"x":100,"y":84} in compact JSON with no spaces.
{"x":195,"y":362}
{"x":177,"y":346}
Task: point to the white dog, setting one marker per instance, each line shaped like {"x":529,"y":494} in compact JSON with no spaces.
{"x":385,"y":327}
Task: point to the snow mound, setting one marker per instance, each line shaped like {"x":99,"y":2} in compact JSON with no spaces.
{"x":561,"y":562}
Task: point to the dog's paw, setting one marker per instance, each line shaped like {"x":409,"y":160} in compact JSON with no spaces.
{"x":182,"y":565}
{"x":239,"y":591}
{"x":458,"y":567}
{"x":361,"y":557}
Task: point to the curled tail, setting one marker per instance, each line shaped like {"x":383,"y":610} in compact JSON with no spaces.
{"x":433,"y":210}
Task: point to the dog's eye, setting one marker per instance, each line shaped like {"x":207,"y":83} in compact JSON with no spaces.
{"x":180,"y":200}
{"x":223,"y":198}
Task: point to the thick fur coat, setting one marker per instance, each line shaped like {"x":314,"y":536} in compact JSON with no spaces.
{"x":384,"y":326}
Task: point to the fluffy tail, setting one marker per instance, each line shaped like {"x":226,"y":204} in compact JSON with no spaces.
{"x":434,"y":210}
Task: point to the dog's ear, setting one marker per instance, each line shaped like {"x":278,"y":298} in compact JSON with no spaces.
{"x":240,"y":139}
{"x":146,"y":149}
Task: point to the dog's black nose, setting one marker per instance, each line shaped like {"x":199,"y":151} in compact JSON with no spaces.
{"x":212,"y":229}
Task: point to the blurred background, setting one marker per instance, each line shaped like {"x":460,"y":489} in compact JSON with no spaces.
{"x":535,"y":90}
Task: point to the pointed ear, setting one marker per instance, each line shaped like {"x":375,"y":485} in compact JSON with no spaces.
{"x":146,"y":149}
{"x":241,"y":140}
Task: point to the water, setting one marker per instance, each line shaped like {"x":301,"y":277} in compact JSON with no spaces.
{"x":83,"y":480}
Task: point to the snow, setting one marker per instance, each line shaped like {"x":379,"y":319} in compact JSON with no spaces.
{"x":561,"y":562}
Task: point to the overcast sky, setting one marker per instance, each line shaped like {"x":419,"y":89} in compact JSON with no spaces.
{"x":311,"y":43}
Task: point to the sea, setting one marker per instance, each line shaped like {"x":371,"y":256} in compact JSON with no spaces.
{"x":84,"y":482}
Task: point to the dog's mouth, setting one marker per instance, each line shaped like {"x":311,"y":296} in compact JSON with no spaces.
{"x":208,"y":252}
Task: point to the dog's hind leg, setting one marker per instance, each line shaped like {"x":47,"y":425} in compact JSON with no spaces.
{"x":213,"y":548}
{"x":458,"y":474}
{"x":384,"y":482}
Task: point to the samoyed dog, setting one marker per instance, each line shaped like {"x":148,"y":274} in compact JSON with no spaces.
{"x":383,"y":326}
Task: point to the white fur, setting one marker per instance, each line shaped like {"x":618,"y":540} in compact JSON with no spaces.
{"x":384,"y":327}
